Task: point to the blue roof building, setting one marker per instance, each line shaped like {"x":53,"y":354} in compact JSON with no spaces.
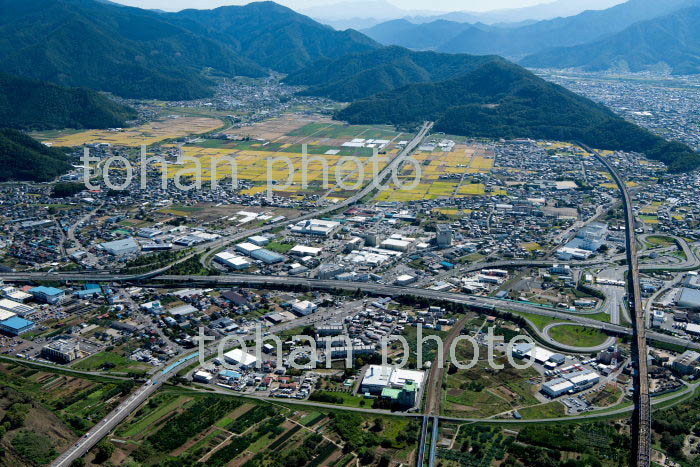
{"x":47,"y":294}
{"x":16,"y":326}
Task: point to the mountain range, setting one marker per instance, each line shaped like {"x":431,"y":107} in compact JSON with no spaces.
{"x":667,"y":44}
{"x":173,"y":56}
{"x":480,"y":96}
{"x":363,"y":74}
{"x":517,"y":42}
{"x":35,"y":105}
{"x":362,"y":14}
{"x":144,"y":54}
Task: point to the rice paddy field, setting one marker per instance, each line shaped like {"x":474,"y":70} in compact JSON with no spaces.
{"x":462,"y":163}
{"x":148,"y":134}
{"x":272,"y":152}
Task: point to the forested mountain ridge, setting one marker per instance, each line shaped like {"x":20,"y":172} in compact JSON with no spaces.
{"x":23,"y":158}
{"x":35,"y":105}
{"x":670,"y":43}
{"x":502,"y":100}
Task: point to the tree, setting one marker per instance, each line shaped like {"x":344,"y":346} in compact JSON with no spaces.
{"x":105,"y":449}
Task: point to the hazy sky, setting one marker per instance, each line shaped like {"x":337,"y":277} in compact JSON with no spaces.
{"x":440,"y":5}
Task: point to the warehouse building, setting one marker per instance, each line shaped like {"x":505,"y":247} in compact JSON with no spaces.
{"x":49,"y":295}
{"x":259,"y":240}
{"x":315,"y":227}
{"x":690,"y":298}
{"x":301,"y":250}
{"x":16,"y":326}
{"x":240,"y":359}
{"x":232,"y":261}
{"x":267,"y":256}
{"x":557,"y":387}
{"x":378,"y":377}
{"x":127,"y":246}
{"x":15,"y":307}
{"x":14,"y":294}
{"x":247,"y":248}
{"x":395,"y":244}
{"x":304,"y":308}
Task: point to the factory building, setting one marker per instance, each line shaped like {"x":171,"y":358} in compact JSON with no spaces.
{"x":232,"y":261}
{"x":122,"y":247}
{"x":15,"y":307}
{"x":241,"y":359}
{"x":304,"y":308}
{"x":16,"y":326}
{"x":302,"y":250}
{"x":267,"y":256}
{"x":571,"y":383}
{"x":49,"y":295}
{"x":687,"y":363}
{"x":379,"y":377}
{"x":315,"y":227}
{"x":14,"y":294}
{"x":405,"y":279}
{"x":690,"y":298}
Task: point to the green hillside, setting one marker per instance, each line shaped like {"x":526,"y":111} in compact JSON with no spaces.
{"x":273,"y":35}
{"x":34,"y":105}
{"x":364,"y":74}
{"x":503,"y":100}
{"x":23,"y":158}
{"x":668,"y":43}
{"x":139,"y":53}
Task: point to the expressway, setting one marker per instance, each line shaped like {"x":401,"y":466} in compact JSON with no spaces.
{"x":641,"y":422}
{"x":115,"y":417}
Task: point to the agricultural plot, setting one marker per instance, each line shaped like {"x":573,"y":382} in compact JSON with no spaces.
{"x":593,"y":443}
{"x":461,"y":164}
{"x":149,"y":133}
{"x":48,"y":411}
{"x":189,"y":427}
{"x":483,"y":391}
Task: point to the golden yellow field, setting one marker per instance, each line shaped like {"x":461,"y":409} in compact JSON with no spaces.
{"x":149,"y":133}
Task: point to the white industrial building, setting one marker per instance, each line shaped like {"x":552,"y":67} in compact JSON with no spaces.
{"x":405,"y":279}
{"x":259,"y":240}
{"x":203,"y":377}
{"x":15,"y":294}
{"x":379,"y":377}
{"x":395,"y":244}
{"x":315,"y":227}
{"x":240,"y":359}
{"x":304,"y":308}
{"x":232,"y":261}
{"x":570,"y":383}
{"x":247,"y":248}
{"x":123,"y":247}
{"x":15,"y":307}
{"x":302,"y":250}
